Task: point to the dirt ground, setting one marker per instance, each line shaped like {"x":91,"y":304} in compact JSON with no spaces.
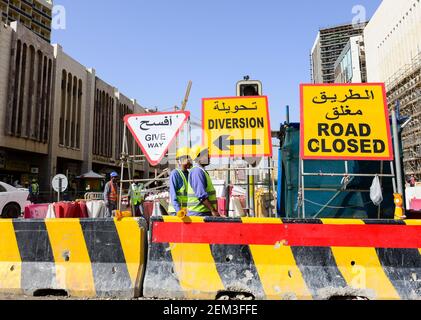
{"x":6,"y":297}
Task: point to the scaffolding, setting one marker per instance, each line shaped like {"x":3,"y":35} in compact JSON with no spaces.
{"x":404,"y":89}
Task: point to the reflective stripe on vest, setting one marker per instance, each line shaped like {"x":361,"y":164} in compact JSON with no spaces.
{"x":137,"y":194}
{"x":194,"y":204}
{"x":112,"y":196}
{"x":181,"y":194}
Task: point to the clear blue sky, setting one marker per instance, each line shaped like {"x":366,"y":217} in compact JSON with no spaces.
{"x":150,"y":49}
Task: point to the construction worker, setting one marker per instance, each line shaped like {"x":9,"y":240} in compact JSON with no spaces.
{"x":412,"y":181}
{"x":111,"y":191}
{"x":179,"y":182}
{"x":34,"y":191}
{"x":201,"y":192}
{"x":136,"y":197}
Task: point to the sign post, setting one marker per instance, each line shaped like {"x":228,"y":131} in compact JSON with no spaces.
{"x":59,"y":184}
{"x":347,"y":122}
{"x":238,"y":127}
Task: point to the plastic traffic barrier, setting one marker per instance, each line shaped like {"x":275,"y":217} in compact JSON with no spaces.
{"x":415,"y":204}
{"x":70,"y":210}
{"x":36,"y":211}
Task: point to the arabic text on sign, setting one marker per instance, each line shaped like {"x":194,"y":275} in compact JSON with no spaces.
{"x":146,"y":125}
{"x":223,"y":107}
{"x":345,"y":111}
{"x":353,"y":96}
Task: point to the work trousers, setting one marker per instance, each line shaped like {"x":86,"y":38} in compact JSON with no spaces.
{"x":137,"y":210}
{"x":110,"y":206}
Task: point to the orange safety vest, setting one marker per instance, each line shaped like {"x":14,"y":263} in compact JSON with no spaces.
{"x":112,"y":196}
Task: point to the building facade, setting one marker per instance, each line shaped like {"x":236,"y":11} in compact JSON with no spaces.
{"x":350,"y":67}
{"x":392,"y":38}
{"x":328,"y":47}
{"x":393,"y":51}
{"x":56,"y":115}
{"x":36,"y":15}
{"x":26,"y":102}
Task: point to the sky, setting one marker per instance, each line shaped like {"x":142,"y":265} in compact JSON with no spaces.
{"x":150,"y":49}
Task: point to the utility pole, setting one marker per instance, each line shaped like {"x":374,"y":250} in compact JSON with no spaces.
{"x":183,"y":108}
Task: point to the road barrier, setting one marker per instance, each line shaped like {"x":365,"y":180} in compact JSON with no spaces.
{"x":208,"y":258}
{"x":81,"y":257}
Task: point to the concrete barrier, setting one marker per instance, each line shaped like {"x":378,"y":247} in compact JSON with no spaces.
{"x":82,"y":257}
{"x":206,"y":258}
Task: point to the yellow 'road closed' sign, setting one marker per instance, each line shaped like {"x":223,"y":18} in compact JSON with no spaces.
{"x":237,"y":127}
{"x":345,"y":122}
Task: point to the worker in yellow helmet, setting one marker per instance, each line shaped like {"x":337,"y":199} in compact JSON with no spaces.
{"x":202,"y":199}
{"x":178,"y":181}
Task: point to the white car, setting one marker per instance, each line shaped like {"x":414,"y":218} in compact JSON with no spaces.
{"x":12,"y":201}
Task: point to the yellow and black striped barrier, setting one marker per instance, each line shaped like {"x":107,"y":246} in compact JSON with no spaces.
{"x":85,"y":258}
{"x":203,"y":258}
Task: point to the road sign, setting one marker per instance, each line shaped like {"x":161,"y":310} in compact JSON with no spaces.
{"x":154,"y":133}
{"x":56,"y":183}
{"x":345,"y":122}
{"x":237,"y":127}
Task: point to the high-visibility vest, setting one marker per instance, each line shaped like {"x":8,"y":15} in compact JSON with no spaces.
{"x":193,"y":203}
{"x":136,"y":197}
{"x":181,"y":194}
{"x":112,"y":196}
{"x":35,"y":188}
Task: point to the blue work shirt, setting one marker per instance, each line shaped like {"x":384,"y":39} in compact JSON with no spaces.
{"x":197,"y":180}
{"x":176,"y":183}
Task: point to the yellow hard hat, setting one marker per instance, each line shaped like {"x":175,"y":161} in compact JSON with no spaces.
{"x":182,"y":152}
{"x":197,"y":150}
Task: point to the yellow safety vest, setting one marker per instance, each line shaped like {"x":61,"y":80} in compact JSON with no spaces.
{"x":181,"y":194}
{"x":193,"y":203}
{"x":136,"y":197}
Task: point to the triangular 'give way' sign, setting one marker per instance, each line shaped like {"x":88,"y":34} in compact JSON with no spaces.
{"x":155,"y":132}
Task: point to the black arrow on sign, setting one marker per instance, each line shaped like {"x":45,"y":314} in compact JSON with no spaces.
{"x":224,"y":144}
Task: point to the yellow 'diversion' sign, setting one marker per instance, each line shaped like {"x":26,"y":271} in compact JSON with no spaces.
{"x":237,"y":127}
{"x":345,"y":122}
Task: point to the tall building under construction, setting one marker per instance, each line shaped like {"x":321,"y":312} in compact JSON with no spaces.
{"x":36,"y":15}
{"x":404,"y":89}
{"x":328,"y":47}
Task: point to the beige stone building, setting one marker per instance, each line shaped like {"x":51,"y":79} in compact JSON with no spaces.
{"x":393,"y":52}
{"x":56,"y":115}
{"x":26,"y":94}
{"x":392,"y":38}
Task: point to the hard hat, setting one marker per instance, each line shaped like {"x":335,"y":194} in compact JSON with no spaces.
{"x":113,"y":174}
{"x":197,"y":150}
{"x":182,"y":152}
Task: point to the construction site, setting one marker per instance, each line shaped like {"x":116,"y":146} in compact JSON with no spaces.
{"x":230,"y":195}
{"x":327,"y":48}
{"x":404,"y":92}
